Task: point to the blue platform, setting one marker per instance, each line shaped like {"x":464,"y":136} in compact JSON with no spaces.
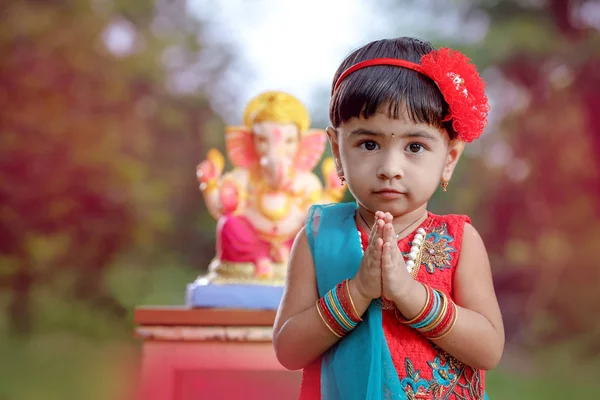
{"x":263,"y":297}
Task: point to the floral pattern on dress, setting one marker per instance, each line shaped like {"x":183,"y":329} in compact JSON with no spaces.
{"x":437,"y":249}
{"x":449,"y":377}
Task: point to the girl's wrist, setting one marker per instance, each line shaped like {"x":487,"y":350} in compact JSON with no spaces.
{"x":357,"y":293}
{"x":412,"y":290}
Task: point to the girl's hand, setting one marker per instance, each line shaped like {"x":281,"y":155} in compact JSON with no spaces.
{"x":368,"y":278}
{"x":395,"y":279}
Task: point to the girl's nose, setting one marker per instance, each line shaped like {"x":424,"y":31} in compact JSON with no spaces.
{"x":390,"y":167}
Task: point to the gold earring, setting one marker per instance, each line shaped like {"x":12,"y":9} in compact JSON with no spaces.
{"x":342,"y":179}
{"x":444,"y":186}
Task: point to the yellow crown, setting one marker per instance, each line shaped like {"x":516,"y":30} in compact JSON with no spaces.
{"x":277,"y":107}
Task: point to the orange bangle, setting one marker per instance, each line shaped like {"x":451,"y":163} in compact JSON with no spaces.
{"x":440,"y":317}
{"x":325,"y":321}
{"x":351,"y":301}
{"x":428,"y":290}
{"x":454,"y":319}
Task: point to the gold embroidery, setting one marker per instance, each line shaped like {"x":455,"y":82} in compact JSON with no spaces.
{"x":437,"y":251}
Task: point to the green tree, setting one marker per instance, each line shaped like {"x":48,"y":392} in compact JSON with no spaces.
{"x":543,"y":203}
{"x":97,"y":152}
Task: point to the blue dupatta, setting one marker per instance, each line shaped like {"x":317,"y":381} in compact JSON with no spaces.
{"x":359,"y":366}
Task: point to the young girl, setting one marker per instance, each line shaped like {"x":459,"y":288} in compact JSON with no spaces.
{"x":385,"y":300}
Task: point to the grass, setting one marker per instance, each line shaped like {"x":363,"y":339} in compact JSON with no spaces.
{"x":77,"y":353}
{"x":69,"y":366}
{"x":504,"y":385}
{"x":66,"y":367}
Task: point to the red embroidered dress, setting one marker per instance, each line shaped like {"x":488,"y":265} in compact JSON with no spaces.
{"x":425,"y":371}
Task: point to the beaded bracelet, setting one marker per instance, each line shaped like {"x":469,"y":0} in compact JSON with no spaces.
{"x":437,"y":317}
{"x":337,"y":310}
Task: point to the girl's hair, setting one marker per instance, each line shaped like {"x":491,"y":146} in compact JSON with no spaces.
{"x":366,"y":91}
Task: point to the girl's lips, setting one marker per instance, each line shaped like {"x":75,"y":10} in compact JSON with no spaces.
{"x":389,"y":194}
{"x":388,"y":191}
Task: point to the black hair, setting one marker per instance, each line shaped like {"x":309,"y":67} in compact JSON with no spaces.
{"x":366,"y":91}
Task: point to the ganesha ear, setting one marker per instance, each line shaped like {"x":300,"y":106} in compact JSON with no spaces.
{"x":240,"y":146}
{"x":310,"y":150}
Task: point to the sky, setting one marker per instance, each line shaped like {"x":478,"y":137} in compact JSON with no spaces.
{"x":296,"y":46}
{"x":286,"y":45}
{"x":284,"y":41}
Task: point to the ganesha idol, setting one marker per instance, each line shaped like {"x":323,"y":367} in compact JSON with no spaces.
{"x":262,"y":203}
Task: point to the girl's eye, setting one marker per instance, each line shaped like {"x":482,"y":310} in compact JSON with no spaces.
{"x":369,"y":145}
{"x":415,"y":148}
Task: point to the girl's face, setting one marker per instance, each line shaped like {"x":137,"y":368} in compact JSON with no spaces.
{"x":393,"y":165}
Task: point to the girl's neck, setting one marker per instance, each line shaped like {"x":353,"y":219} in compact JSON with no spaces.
{"x":404,"y":224}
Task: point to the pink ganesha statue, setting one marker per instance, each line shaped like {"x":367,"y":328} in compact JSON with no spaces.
{"x":262,"y":203}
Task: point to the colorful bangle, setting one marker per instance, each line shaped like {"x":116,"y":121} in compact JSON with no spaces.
{"x":434,"y":310}
{"x":343,"y":291}
{"x":343,"y":302}
{"x":443,"y":324}
{"x":356,"y":316}
{"x":437,"y":317}
{"x":325,"y":321}
{"x":424,"y":311}
{"x":335,"y":310}
{"x":448,"y":329}
{"x":328,"y":318}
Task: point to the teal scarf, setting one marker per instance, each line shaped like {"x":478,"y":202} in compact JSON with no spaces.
{"x":360,"y":366}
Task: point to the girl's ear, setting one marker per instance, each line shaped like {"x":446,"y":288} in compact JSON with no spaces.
{"x":455,"y":150}
{"x":332,"y":135}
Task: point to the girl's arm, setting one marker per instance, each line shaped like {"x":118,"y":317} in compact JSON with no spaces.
{"x":477,"y":338}
{"x":299,"y":334}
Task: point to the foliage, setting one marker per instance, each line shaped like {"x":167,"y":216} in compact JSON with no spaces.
{"x":97,"y":153}
{"x":542,"y":202}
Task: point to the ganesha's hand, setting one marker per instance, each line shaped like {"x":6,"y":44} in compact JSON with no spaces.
{"x":230,"y":196}
{"x":209,"y":171}
{"x":334,"y":186}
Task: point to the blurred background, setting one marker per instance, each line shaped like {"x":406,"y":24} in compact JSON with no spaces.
{"x":106,"y":106}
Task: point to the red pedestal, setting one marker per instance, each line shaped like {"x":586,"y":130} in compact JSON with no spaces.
{"x":193,"y":354}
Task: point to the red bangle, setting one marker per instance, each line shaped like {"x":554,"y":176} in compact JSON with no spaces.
{"x":342,"y":295}
{"x":426,"y":308}
{"x":353,"y":307}
{"x":330,"y":318}
{"x":445,"y":323}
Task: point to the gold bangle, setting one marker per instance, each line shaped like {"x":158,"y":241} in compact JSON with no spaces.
{"x":336,"y":310}
{"x":443,"y":335}
{"x":432,"y":325}
{"x":347,"y":282}
{"x":325,"y":321}
{"x":420,"y":314}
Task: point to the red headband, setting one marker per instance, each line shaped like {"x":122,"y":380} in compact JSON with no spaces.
{"x":458,"y":81}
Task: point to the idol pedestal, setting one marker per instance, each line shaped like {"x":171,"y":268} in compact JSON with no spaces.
{"x":210,"y":354}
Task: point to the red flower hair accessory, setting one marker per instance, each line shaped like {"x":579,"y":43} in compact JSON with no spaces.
{"x":458,"y":81}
